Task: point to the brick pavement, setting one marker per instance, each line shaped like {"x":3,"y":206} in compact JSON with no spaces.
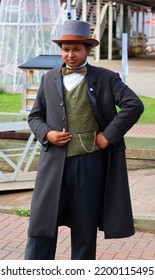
{"x":13,"y":230}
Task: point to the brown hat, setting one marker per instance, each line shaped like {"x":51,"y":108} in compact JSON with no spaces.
{"x":76,"y":31}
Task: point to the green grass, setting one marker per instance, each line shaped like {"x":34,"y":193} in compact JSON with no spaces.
{"x":23,"y":212}
{"x":13,"y":103}
{"x":148,"y":117}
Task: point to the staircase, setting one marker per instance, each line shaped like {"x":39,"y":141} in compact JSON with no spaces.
{"x":91,"y":14}
{"x":91,"y":18}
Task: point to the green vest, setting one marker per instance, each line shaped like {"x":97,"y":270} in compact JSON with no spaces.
{"x":81,"y":122}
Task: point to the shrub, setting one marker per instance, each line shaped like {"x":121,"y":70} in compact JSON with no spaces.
{"x":2,"y":91}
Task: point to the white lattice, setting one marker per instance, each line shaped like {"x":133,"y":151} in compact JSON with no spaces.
{"x":25,"y":27}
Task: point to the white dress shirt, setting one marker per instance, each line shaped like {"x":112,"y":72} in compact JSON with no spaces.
{"x":72,"y":80}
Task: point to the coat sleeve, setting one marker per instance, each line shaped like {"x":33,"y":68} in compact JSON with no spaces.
{"x":130,"y":109}
{"x":37,"y":116}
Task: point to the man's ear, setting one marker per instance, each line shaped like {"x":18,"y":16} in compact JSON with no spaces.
{"x":89,"y":48}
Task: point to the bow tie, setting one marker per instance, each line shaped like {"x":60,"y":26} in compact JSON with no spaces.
{"x":67,"y":71}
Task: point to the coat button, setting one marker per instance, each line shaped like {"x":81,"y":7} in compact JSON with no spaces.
{"x":61,"y":104}
{"x":63,"y":119}
{"x":91,"y":89}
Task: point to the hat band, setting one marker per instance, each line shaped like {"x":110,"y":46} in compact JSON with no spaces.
{"x":73,"y":37}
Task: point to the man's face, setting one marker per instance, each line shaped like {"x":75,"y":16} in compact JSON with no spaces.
{"x":74,"y":54}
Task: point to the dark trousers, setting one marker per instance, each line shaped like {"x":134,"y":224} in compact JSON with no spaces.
{"x":82,"y":193}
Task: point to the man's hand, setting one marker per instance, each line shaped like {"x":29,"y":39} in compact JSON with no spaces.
{"x":101,"y":141}
{"x":59,"y":138}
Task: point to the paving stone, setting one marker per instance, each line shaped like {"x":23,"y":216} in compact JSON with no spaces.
{"x":140,"y":246}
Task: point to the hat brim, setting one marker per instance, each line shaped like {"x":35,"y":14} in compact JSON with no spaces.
{"x":89,"y":41}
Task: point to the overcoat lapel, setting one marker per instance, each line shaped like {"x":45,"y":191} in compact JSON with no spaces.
{"x":91,"y":88}
{"x":58,"y":82}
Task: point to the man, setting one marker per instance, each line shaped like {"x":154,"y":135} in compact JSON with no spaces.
{"x":82,"y":176}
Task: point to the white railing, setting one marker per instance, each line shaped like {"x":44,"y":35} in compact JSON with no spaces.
{"x":29,"y":151}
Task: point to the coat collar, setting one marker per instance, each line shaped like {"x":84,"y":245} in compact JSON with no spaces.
{"x":58,"y":81}
{"x":90,"y":76}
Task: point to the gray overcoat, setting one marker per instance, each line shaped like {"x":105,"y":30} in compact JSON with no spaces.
{"x":105,"y":91}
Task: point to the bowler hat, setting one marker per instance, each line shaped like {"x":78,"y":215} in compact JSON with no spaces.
{"x":76,"y":31}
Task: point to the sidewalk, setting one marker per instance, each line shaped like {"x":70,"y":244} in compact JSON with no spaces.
{"x":145,"y":130}
{"x":140,"y":246}
{"x":13,"y":228}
